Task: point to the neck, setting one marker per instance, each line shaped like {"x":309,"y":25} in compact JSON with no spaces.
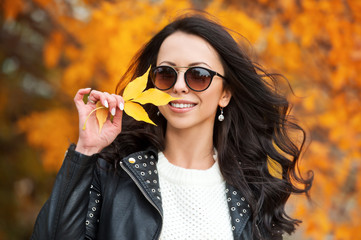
{"x":189,"y":148}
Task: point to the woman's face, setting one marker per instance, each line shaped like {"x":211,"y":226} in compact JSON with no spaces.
{"x":193,"y":109}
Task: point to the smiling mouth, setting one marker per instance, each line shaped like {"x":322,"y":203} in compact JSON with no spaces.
{"x":182,"y":105}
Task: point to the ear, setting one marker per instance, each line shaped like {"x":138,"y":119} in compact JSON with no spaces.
{"x":225,"y":98}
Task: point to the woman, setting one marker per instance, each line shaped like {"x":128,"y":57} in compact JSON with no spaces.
{"x":202,"y":173}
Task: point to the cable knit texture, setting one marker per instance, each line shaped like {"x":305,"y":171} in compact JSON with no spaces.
{"x":194,"y":202}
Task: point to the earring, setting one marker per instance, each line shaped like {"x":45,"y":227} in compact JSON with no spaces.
{"x":158,"y":113}
{"x":221,"y":117}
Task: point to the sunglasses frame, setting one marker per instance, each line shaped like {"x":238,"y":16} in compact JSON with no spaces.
{"x":212,"y":73}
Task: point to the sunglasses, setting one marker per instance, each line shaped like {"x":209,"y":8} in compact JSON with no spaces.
{"x":197,"y":79}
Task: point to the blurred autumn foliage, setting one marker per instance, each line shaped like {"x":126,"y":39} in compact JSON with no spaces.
{"x":51,"y":48}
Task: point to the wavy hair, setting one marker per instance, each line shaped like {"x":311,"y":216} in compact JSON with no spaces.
{"x":257,"y":127}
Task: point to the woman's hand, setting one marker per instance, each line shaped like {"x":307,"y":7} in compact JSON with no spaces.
{"x":90,"y":140}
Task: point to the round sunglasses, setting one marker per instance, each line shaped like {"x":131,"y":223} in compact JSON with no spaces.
{"x":197,"y":78}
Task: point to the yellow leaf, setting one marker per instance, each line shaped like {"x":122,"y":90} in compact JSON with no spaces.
{"x":101,"y":121}
{"x":274,"y":168}
{"x":137,"y":112}
{"x":133,"y":92}
{"x":132,"y":95}
{"x":102,"y":115}
{"x":136,"y":87}
{"x":154,"y":96}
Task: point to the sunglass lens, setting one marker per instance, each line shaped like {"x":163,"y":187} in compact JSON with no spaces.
{"x":198,"y":78}
{"x":164,"y":77}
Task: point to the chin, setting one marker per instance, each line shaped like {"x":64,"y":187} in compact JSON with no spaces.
{"x":179,"y":125}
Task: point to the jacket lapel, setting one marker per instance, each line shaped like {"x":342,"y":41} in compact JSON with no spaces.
{"x":239,"y":210}
{"x":143,"y":166}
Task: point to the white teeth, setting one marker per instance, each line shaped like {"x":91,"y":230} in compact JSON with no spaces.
{"x":182,"y":105}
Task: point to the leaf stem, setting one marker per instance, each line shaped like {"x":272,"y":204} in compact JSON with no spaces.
{"x":91,"y":114}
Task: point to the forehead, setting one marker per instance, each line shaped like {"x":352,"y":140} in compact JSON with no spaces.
{"x":183,"y":49}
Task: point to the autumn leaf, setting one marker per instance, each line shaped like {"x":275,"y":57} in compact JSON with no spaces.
{"x":135,"y":87}
{"x":137,"y":111}
{"x":133,"y":96}
{"x":102,"y":115}
{"x":154,"y":96}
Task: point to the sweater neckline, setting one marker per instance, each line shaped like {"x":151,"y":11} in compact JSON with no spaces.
{"x":184,"y":176}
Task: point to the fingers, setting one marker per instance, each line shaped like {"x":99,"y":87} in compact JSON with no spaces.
{"x":90,"y":101}
{"x":78,"y":99}
{"x":120,"y":108}
{"x":91,"y":137}
{"x":96,"y":96}
{"x":119,"y":102}
{"x":112,"y":102}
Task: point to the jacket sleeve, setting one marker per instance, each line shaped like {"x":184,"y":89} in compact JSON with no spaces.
{"x":63,"y":216}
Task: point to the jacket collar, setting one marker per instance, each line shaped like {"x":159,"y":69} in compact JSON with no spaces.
{"x":143,"y":169}
{"x":240,"y":210}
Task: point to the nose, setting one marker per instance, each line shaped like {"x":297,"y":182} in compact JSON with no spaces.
{"x":180,"y":85}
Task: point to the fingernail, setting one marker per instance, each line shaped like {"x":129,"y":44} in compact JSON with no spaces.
{"x":113,"y":111}
{"x":121,"y":106}
{"x":106,"y":104}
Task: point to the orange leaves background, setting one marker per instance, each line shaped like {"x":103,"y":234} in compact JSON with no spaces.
{"x":51,"y":48}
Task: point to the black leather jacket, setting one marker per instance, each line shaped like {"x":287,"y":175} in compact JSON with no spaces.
{"x":93,"y":200}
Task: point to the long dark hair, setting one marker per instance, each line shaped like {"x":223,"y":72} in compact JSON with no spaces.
{"x":256,"y":127}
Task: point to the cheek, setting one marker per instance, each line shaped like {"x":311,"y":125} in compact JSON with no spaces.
{"x":161,"y":108}
{"x":211,"y":96}
{"x":209,"y":105}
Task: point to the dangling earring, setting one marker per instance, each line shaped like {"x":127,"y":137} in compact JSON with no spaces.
{"x":158,"y":113}
{"x":221,"y":117}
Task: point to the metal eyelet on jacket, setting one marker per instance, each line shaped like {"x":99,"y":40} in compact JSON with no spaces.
{"x":237,"y":205}
{"x":92,"y":218}
{"x":146,"y":173}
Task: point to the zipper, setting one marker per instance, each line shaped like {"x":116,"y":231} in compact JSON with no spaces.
{"x":140,"y":188}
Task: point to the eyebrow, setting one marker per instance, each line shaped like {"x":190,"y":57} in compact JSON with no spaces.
{"x":189,"y":65}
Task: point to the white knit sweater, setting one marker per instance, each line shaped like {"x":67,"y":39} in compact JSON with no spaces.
{"x":194,"y":202}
